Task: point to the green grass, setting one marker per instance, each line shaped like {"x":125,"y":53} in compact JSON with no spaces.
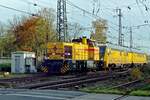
{"x":146,"y":87}
{"x":105,"y":90}
{"x":140,"y":93}
{"x":144,"y":91}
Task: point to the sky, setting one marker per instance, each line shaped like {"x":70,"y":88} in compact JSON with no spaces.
{"x":134,"y":13}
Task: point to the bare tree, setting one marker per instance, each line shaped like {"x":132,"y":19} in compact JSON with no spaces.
{"x":100,"y":27}
{"x":74,"y":30}
{"x":2,"y":29}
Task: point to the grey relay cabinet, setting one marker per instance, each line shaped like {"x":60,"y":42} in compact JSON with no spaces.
{"x":23,"y":62}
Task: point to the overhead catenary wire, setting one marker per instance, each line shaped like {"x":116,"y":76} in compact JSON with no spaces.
{"x":40,"y":6}
{"x":145,"y":5}
{"x":17,"y":10}
{"x":85,"y":11}
{"x":91,"y":14}
{"x":70,"y":3}
{"x":35,"y":4}
{"x":141,"y":11}
{"x":113,"y":28}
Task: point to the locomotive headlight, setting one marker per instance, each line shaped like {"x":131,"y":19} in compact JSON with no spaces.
{"x":102,"y":59}
{"x":53,"y":54}
{"x":69,"y":54}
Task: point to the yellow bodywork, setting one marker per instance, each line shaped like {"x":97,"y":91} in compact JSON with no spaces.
{"x":93,"y":53}
{"x":120,"y":57}
{"x":139,"y":58}
{"x":80,"y":51}
{"x":56,"y":50}
{"x":113,"y":56}
{"x":83,"y":51}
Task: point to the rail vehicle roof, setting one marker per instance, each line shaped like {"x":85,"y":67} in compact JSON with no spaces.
{"x":122,"y":48}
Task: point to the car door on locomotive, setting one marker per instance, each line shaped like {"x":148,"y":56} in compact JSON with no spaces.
{"x":102,"y":55}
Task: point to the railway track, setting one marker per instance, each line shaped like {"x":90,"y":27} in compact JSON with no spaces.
{"x":25,"y":79}
{"x":71,"y":82}
{"x":130,"y":86}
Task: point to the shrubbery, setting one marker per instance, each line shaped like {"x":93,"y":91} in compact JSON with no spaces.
{"x":5,"y":67}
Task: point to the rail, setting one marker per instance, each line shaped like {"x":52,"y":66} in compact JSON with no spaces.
{"x":73,"y":81}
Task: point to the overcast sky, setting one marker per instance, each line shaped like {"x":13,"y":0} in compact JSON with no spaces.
{"x":134,"y":12}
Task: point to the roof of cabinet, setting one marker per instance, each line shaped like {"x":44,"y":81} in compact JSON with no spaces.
{"x":23,"y":52}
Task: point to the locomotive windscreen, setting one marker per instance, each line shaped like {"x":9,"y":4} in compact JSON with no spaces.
{"x":68,"y":52}
{"x":102,"y":51}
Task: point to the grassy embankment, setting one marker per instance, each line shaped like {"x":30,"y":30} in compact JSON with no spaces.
{"x":144,"y":91}
{"x":141,"y":91}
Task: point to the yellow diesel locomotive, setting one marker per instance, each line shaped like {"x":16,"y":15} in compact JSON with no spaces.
{"x":63,"y":57}
{"x":84,"y":54}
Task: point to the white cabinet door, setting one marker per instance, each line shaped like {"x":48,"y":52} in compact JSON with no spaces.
{"x":17,"y":64}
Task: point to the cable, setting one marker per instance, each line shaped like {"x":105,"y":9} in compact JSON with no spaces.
{"x":108,"y":27}
{"x":80,"y":9}
{"x":86,"y":16}
{"x":34,"y":4}
{"x":137,"y":26}
{"x":140,"y":8}
{"x":145,"y":6}
{"x":43,"y":2}
{"x":89,"y":13}
{"x":85,"y":11}
{"x":14,"y":9}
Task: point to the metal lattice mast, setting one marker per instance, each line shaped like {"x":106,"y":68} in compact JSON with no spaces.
{"x":61,"y":20}
{"x":121,"y":35}
{"x":131,"y":38}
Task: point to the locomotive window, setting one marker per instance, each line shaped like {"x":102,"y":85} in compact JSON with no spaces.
{"x":68,"y":52}
{"x":102,"y":51}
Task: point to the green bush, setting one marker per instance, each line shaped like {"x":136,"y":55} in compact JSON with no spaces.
{"x":5,"y":65}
